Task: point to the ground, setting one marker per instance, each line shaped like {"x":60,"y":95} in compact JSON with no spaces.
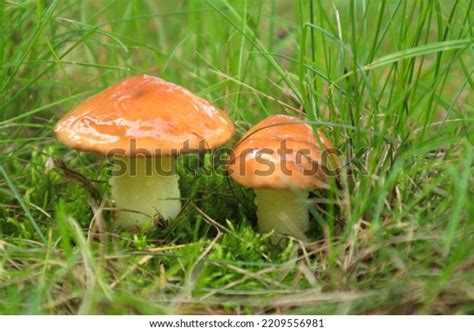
{"x":389,"y":82}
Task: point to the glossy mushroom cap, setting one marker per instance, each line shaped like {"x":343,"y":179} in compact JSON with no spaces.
{"x":144,"y":114}
{"x":281,"y":152}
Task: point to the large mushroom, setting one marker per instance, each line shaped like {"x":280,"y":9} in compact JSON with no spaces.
{"x":282,"y":160}
{"x":144,"y":122}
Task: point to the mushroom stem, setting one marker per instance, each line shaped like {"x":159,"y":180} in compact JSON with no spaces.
{"x":284,"y":211}
{"x":145,"y":191}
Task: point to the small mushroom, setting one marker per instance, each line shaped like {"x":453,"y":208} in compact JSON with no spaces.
{"x":282,"y":160}
{"x":144,"y":122}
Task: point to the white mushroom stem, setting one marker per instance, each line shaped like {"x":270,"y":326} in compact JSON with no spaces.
{"x":145,"y":191}
{"x":285,"y":212}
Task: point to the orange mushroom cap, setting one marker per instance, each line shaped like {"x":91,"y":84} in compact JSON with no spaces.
{"x":281,"y":152}
{"x":144,"y":113}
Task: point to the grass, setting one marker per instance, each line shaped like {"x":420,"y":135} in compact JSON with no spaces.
{"x":390,"y":83}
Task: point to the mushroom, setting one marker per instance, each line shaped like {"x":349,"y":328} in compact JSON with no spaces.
{"x":144,"y":122}
{"x":281,"y":159}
